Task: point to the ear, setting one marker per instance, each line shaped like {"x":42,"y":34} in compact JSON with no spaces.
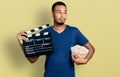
{"x":51,"y":14}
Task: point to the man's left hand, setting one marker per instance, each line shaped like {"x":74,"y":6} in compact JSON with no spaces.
{"x":78,"y":59}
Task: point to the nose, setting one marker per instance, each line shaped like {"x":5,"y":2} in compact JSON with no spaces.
{"x":62,"y":15}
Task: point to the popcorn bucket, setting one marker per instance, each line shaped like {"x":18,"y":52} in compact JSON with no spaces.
{"x":80,"y":49}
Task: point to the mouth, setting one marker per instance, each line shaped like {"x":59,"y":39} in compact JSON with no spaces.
{"x":62,"y":20}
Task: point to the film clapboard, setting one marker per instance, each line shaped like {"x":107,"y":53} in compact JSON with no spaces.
{"x":38,"y":43}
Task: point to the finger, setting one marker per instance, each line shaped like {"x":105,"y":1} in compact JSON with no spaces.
{"x":21,"y":42}
{"x":20,"y":37}
{"x":24,"y":38}
{"x":73,"y":59}
{"x":22,"y":33}
{"x":73,"y":56}
{"x":77,"y":55}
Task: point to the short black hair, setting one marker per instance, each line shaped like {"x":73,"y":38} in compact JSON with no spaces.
{"x":57,"y":3}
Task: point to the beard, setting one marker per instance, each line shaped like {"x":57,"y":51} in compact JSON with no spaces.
{"x":59,"y":23}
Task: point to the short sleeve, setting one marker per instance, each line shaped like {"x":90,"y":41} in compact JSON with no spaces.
{"x":80,"y":38}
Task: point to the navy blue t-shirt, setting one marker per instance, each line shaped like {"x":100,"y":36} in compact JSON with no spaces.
{"x":59,"y":63}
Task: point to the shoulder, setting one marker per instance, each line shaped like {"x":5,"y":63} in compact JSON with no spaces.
{"x":73,"y":28}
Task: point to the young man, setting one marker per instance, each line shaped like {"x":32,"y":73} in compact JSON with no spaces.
{"x":61,"y":62}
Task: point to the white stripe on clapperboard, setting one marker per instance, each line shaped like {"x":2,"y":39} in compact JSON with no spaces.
{"x":38,"y":34}
{"x":36,"y":29}
{"x":28,"y":32}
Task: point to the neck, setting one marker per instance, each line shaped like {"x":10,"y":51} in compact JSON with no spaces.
{"x":59,"y":28}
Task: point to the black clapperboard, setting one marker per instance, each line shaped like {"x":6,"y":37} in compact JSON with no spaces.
{"x":39,"y":43}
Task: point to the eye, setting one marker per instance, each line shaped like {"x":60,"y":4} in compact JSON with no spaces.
{"x":65,"y":12}
{"x":58,"y":12}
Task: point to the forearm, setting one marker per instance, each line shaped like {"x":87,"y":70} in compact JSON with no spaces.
{"x":91,"y":52}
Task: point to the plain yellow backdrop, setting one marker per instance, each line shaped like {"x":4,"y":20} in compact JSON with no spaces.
{"x":98,"y":20}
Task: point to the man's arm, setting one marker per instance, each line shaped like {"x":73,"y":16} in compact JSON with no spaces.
{"x":79,"y":60}
{"x":20,"y":38}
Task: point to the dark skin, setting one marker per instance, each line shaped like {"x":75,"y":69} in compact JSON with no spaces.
{"x":59,"y":16}
{"x":20,"y":38}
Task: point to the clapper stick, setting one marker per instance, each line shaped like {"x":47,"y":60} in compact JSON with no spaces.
{"x":28,"y":32}
{"x":37,"y":29}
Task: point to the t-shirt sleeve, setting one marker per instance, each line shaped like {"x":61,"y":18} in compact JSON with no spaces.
{"x":81,"y":39}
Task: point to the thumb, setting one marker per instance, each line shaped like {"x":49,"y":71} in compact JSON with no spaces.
{"x":21,"y":42}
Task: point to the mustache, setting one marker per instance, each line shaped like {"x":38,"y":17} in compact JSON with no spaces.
{"x":62,"y":18}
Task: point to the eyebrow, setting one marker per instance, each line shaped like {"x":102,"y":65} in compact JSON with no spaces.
{"x":60,"y":10}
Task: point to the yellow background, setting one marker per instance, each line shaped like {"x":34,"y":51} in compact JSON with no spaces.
{"x":99,"y":20}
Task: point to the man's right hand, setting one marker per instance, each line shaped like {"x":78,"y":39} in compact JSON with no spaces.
{"x":21,"y":36}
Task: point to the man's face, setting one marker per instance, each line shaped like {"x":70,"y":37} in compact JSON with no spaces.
{"x":60,"y":14}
